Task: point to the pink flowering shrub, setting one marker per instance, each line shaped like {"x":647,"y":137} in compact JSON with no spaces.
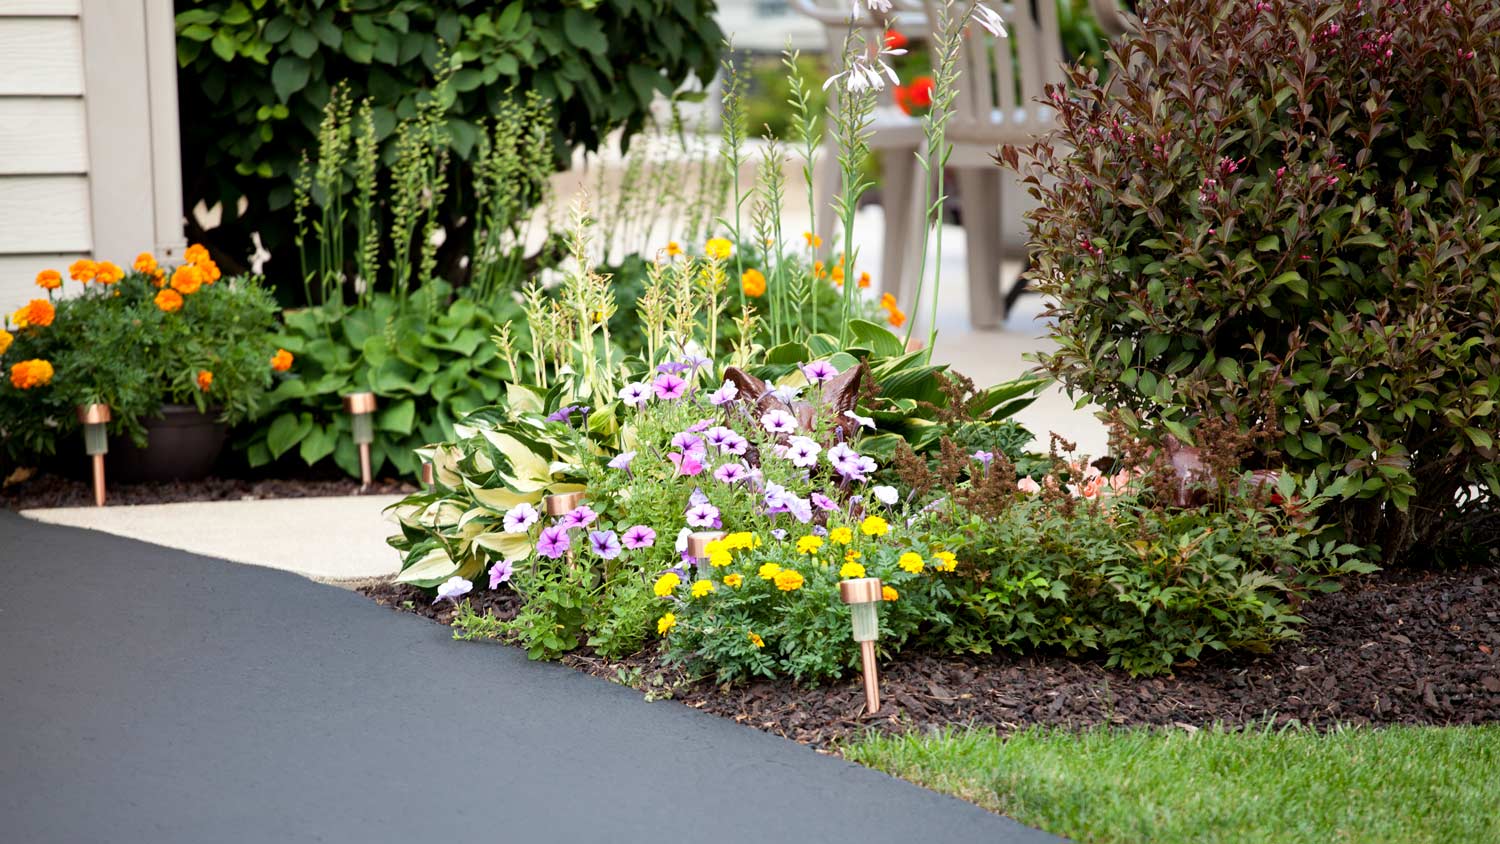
{"x":1285,"y":213}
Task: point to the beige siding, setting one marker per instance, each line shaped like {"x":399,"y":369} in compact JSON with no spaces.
{"x":18,"y":277}
{"x":44,"y":214}
{"x":41,"y":56}
{"x":42,"y":135}
{"x":38,"y":8}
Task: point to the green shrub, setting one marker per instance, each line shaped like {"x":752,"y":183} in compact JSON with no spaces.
{"x":258,"y":73}
{"x":1288,"y":215}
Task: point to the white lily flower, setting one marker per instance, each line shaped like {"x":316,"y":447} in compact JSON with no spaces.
{"x":990,"y":20}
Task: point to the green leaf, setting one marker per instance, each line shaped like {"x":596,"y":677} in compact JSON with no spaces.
{"x":286,"y":431}
{"x":876,"y":338}
{"x":585,"y":31}
{"x":397,"y":418}
{"x":289,"y":75}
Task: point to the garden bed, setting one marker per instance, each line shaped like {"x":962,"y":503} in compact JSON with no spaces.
{"x":1403,"y":647}
{"x":47,"y":490}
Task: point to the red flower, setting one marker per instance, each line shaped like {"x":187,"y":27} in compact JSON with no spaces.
{"x":902,"y":95}
{"x":894,"y":40}
{"x":920,"y":92}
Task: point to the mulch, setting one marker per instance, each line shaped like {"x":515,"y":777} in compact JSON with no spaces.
{"x":1404,"y":647}
{"x":49,"y":490}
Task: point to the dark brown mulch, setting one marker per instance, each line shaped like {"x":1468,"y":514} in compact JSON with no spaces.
{"x":1395,"y":648}
{"x":48,"y":490}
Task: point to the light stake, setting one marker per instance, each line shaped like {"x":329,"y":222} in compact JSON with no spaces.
{"x":863,"y":596}
{"x":697,"y":548}
{"x":559,"y":505}
{"x":361,"y":407}
{"x":428,"y":476}
{"x":94,"y":417}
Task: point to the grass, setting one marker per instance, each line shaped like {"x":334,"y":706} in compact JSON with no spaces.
{"x":1404,"y":785}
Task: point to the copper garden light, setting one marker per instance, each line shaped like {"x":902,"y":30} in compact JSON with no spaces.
{"x":561,"y":504}
{"x":94,"y":418}
{"x":863,"y":596}
{"x":697,"y":548}
{"x":361,"y":407}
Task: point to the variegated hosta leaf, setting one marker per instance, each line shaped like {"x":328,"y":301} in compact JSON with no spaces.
{"x":508,"y":546}
{"x":501,"y":499}
{"x":432,"y":568}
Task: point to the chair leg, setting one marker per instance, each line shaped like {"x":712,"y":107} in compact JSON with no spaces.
{"x":897,"y":166}
{"x":980,"y":192}
{"x":910,"y":277}
{"x":826,"y":177}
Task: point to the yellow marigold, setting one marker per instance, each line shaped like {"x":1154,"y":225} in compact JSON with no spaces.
{"x":874,"y":526}
{"x":108,"y":272}
{"x":733,"y":581}
{"x":911,"y":562}
{"x":702,"y":587}
{"x":864,"y":281}
{"x":742,"y":540}
{"x":756,"y":640}
{"x":673,"y":248}
{"x":889,"y":593}
{"x":851,"y":555}
{"x":850,"y":570}
{"x":665,"y":623}
{"x":36,"y":313}
{"x":209,"y":270}
{"x":753,"y":283}
{"x":719,"y":559}
{"x":718,"y":248}
{"x":30,"y":373}
{"x":841,"y":535}
{"x":666,"y":584}
{"x":195,"y":254}
{"x":813,"y":241}
{"x":6,"y":338}
{"x":809,"y":544}
{"x":205,"y":380}
{"x":49,"y":279}
{"x":944,"y":561}
{"x":145,"y":263}
{"x":282,"y":360}
{"x":187,"y":279}
{"x":81,"y":270}
{"x":769,"y":571}
{"x":788,"y":580}
{"x":896,"y":317}
{"x":168,"y":300}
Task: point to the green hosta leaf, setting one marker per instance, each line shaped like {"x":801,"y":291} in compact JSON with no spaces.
{"x":286,"y":431}
{"x":397,"y":418}
{"x":318,"y":444}
{"x":876,"y":338}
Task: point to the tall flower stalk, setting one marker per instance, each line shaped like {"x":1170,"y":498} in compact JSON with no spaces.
{"x":851,"y":123}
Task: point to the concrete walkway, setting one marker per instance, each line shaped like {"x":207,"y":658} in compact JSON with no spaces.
{"x":330,"y":539}
{"x":153,"y":695}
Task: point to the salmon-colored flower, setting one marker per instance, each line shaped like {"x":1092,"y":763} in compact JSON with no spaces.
{"x":81,"y":270}
{"x":281,"y":361}
{"x":753,"y":283}
{"x":187,"y":279}
{"x":30,"y":373}
{"x":205,"y":380}
{"x":169,"y":300}
{"x":49,"y":279}
{"x":36,"y":313}
{"x":108,"y":272}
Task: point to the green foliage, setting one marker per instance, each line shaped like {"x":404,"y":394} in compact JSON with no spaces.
{"x":257,"y":75}
{"x":112,"y":344}
{"x":429,"y":361}
{"x":1393,"y":785}
{"x":1288,"y":215}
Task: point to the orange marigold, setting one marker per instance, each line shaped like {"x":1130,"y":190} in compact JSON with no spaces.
{"x":205,"y":380}
{"x":887,"y":301}
{"x":209,"y":270}
{"x":145,"y":263}
{"x":896,"y":317}
{"x":108,"y":272}
{"x":30,"y":373}
{"x":195,"y":254}
{"x":6,"y":338}
{"x":49,"y":279}
{"x":168,"y":300}
{"x":37,"y":312}
{"x":187,"y":279}
{"x":753,"y":283}
{"x":864,"y":281}
{"x":282,"y":360}
{"x":81,"y":270}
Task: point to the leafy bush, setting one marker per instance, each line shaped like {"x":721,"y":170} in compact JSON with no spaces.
{"x":257,"y":75}
{"x":134,"y":340}
{"x":1288,"y":215}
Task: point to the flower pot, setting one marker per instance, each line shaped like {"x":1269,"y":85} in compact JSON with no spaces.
{"x":183,"y":444}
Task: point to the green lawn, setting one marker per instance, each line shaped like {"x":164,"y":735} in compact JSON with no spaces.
{"x":1403,"y":785}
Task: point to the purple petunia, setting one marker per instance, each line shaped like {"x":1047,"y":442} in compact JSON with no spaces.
{"x":605,"y":544}
{"x":787,"y":394}
{"x":501,"y":572}
{"x":582,"y":517}
{"x":779,"y":533}
{"x":669,"y":387}
{"x":886,"y":495}
{"x":637,"y":394}
{"x":776,"y":498}
{"x":690,"y":444}
{"x":703,"y":515}
{"x":819,"y":371}
{"x":985,"y":457}
{"x":672,"y":367}
{"x":731,"y":473}
{"x":850,"y":463}
{"x":686,"y":464}
{"x":638,"y":537}
{"x":700,"y":427}
{"x":724,"y":395}
{"x":802,"y":451}
{"x":622,"y":460}
{"x":799,"y":508}
{"x":452,"y":589}
{"x":697,"y":497}
{"x":778,"y":422}
{"x":824,"y":503}
{"x":564,"y":414}
{"x":520,"y":518}
{"x":553,"y":542}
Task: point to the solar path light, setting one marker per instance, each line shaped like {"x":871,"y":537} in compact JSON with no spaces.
{"x":863,"y":596}
{"x":361,"y":407}
{"x":94,"y":418}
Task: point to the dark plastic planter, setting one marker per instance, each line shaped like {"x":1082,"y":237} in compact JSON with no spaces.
{"x":182,"y":445}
